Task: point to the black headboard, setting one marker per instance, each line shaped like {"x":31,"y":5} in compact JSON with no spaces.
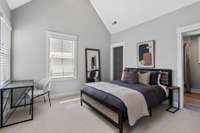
{"x":166,"y":74}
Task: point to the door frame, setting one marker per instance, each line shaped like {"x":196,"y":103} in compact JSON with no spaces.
{"x":115,"y":45}
{"x":180,"y":63}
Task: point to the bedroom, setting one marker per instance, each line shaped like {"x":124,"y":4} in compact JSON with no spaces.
{"x":95,"y":24}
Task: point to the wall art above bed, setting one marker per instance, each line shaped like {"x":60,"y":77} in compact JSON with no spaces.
{"x":146,"y":54}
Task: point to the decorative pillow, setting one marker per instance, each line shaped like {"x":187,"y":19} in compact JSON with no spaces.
{"x":164,"y":79}
{"x":129,"y":76}
{"x":154,"y":78}
{"x":144,"y":78}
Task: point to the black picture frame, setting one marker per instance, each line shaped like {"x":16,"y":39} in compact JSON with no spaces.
{"x":93,"y":65}
{"x":151,"y":48}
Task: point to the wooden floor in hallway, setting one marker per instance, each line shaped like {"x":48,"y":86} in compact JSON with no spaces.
{"x":192,"y":101}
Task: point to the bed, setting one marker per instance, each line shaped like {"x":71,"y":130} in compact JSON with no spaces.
{"x":114,"y":109}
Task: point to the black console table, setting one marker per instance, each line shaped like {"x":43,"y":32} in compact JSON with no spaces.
{"x":171,"y":108}
{"x":11,"y":101}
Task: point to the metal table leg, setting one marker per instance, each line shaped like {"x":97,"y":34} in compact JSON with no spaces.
{"x":32,"y":89}
{"x":1,"y":108}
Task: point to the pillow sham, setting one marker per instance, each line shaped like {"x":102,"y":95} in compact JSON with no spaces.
{"x":144,"y":78}
{"x":129,"y":76}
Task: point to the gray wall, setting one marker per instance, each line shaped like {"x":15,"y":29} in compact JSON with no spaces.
{"x":195,"y":65}
{"x":4,"y":10}
{"x":76,"y":17}
{"x":163,"y":30}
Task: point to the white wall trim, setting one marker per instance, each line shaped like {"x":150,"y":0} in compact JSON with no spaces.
{"x":180,"y":78}
{"x":62,"y":36}
{"x":115,"y":45}
{"x":199,"y":49}
{"x":195,"y":91}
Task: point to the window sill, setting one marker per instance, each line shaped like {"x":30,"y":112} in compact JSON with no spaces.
{"x":63,"y":78}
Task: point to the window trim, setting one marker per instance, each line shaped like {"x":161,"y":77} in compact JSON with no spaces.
{"x":198,"y":49}
{"x":60,"y":35}
{"x":4,"y":21}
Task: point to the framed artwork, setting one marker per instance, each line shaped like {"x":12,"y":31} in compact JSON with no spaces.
{"x":146,"y":54}
{"x":93,"y":69}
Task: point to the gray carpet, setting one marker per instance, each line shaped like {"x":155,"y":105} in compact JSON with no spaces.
{"x":71,"y":118}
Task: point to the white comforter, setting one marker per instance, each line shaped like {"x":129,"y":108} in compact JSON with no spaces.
{"x":133,"y":100}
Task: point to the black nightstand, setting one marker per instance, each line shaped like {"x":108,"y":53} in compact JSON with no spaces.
{"x":171,"y":108}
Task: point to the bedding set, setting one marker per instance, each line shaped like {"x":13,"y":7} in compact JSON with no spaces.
{"x":134,"y":94}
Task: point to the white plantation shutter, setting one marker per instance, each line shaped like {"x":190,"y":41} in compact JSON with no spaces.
{"x":5,"y":46}
{"x":62,"y":55}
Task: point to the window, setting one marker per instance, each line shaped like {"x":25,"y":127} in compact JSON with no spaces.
{"x":62,"y":55}
{"x":5,"y":46}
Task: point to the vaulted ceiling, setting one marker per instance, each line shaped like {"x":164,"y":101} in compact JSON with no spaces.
{"x":119,"y":15}
{"x":13,"y":4}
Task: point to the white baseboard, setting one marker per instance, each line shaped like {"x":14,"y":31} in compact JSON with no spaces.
{"x":195,"y":91}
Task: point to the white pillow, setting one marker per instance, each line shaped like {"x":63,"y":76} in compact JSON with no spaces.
{"x":122,"y":77}
{"x":162,"y":86}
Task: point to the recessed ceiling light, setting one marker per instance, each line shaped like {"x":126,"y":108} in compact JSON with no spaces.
{"x":114,"y":22}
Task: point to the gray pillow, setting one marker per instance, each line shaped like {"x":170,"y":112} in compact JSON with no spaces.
{"x":130,"y":76}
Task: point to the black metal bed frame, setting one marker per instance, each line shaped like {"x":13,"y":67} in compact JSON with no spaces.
{"x":119,"y":125}
{"x":121,"y":119}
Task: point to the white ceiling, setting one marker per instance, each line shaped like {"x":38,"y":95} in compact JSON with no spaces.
{"x":127,"y":13}
{"x":130,"y":13}
{"x":13,"y":4}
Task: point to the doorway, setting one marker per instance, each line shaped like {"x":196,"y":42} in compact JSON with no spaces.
{"x":180,"y":54}
{"x":191,"y":59}
{"x":117,"y":60}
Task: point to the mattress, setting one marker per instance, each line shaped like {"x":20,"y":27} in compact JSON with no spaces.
{"x":153,"y":95}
